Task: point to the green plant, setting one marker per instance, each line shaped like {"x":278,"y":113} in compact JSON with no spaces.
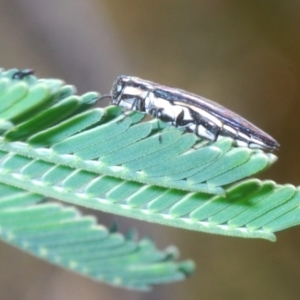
{"x":55,"y":144}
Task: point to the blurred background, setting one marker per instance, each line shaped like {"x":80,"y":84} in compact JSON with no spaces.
{"x":242,"y":54}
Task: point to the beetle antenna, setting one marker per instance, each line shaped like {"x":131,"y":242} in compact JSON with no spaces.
{"x":105,"y":96}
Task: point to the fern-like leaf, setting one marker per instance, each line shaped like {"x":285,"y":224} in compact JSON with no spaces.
{"x":63,"y":236}
{"x":55,"y":144}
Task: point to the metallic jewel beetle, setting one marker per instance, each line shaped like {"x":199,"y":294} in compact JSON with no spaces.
{"x":182,"y":109}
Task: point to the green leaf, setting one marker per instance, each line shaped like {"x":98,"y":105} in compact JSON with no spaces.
{"x":62,"y":236}
{"x":118,"y":147}
{"x":54,"y":144}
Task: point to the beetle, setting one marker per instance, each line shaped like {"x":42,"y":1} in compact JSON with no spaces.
{"x":203,"y":117}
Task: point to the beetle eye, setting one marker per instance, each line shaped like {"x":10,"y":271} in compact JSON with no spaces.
{"x":117,"y":88}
